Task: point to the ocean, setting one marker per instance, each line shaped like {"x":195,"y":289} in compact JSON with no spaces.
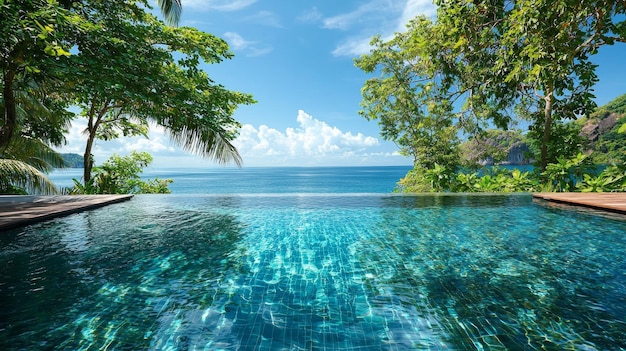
{"x":266,"y":180}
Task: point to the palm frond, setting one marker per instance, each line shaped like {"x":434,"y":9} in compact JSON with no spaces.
{"x":22,"y":175}
{"x":207,"y":143}
{"x":35,"y":153}
{"x":171,"y":10}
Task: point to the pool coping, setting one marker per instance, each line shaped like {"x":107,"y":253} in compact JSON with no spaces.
{"x":21,"y":210}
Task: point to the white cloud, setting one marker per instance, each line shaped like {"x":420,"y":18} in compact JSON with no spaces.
{"x":375,"y":17}
{"x":265,"y":18}
{"x":414,"y":8}
{"x":353,"y":47}
{"x":312,"y":142}
{"x":250,"y":48}
{"x":236,"y":41}
{"x":310,"y":16}
{"x":362,"y":14}
{"x":218,"y":5}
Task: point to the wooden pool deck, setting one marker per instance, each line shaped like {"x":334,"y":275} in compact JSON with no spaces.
{"x":611,"y":202}
{"x":20,"y":210}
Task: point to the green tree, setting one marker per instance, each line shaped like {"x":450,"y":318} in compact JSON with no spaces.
{"x":24,"y":165}
{"x":121,"y":175}
{"x":412,"y":110}
{"x":490,"y":62}
{"x":541,"y":51}
{"x":34,"y":34}
{"x":139,"y":72}
{"x":171,"y":10}
{"x":125,"y":69}
{"x":40,"y":121}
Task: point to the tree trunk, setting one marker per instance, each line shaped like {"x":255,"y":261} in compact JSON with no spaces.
{"x":10,"y":112}
{"x":87,"y":159}
{"x":547,"y":127}
{"x":95,"y":119}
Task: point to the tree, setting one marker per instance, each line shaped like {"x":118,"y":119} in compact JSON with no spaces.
{"x":488,"y":62}
{"x":126,"y":70}
{"x":24,"y":164}
{"x":542,"y":50}
{"x":401,"y":99}
{"x":120,"y":175}
{"x":40,"y":122}
{"x":127,"y":77}
{"x":34,"y":34}
{"x":171,"y":10}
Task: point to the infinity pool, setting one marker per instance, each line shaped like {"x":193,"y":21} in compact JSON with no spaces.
{"x":316,"y":272}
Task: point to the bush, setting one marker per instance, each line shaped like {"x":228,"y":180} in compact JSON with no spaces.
{"x":120,"y":175}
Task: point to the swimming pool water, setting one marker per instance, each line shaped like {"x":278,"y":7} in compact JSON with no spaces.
{"x":316,"y":272}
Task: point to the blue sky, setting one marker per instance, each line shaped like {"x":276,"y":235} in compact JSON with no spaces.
{"x":296,"y":59}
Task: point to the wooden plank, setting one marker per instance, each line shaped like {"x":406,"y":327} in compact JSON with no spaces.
{"x":18,"y":210}
{"x":612,"y":202}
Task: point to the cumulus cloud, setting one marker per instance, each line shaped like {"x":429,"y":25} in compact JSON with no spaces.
{"x":312,"y":142}
{"x":309,"y":143}
{"x":217,"y":5}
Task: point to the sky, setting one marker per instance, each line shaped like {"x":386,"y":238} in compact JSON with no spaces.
{"x":297,"y":60}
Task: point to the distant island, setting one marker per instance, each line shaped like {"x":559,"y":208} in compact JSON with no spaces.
{"x":73,"y":160}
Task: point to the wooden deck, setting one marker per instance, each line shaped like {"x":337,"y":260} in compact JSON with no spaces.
{"x":611,"y":202}
{"x":17,"y":211}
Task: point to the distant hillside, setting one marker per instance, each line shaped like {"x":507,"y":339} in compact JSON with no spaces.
{"x":498,"y":147}
{"x":605,"y":129}
{"x":602,"y":128}
{"x":73,"y":160}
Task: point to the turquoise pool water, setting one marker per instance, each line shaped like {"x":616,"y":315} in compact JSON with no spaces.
{"x":316,"y":272}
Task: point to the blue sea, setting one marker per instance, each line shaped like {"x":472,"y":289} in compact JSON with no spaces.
{"x":266,"y":180}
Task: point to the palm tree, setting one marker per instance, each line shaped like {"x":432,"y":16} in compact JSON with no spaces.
{"x":41,"y":121}
{"x":171,"y":10}
{"x":24,"y":164}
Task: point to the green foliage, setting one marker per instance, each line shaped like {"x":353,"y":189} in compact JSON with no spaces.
{"x":565,"y":141}
{"x":412,"y":111}
{"x":121,"y":175}
{"x":122,"y":66}
{"x":573,"y":174}
{"x":140,"y":71}
{"x":20,"y":178}
{"x":440,"y":180}
{"x":414,"y":182}
{"x":612,"y":178}
{"x":616,"y":106}
{"x":611,"y":146}
{"x":24,"y":164}
{"x":485,"y":63}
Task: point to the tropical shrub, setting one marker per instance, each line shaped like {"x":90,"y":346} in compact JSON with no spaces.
{"x":120,"y":175}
